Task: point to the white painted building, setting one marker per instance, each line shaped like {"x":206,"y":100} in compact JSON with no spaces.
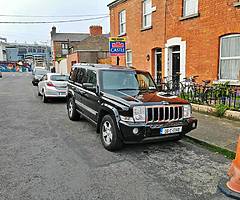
{"x":3,"y":55}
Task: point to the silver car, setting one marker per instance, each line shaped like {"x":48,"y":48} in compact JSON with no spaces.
{"x":53,"y":85}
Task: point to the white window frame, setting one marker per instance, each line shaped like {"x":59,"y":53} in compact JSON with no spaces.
{"x":226,"y":58}
{"x":146,"y":13}
{"x":122,"y":22}
{"x":64,"y":46}
{"x":128,"y":62}
{"x":195,"y":9}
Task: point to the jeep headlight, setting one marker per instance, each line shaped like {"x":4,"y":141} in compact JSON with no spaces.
{"x":187,"y":111}
{"x":139,"y":114}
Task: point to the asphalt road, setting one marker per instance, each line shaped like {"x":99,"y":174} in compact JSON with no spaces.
{"x":44,"y":155}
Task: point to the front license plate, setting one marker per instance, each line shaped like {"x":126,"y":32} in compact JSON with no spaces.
{"x":165,"y":131}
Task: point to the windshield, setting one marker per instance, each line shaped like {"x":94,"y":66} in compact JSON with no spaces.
{"x":127,"y":80}
{"x":41,"y":72}
{"x":59,"y":78}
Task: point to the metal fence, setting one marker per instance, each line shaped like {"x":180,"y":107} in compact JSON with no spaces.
{"x":223,"y":94}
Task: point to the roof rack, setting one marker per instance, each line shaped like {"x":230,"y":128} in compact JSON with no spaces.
{"x":84,"y":64}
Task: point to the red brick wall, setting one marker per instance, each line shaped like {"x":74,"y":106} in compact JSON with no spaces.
{"x":71,"y":58}
{"x":202,"y":34}
{"x":140,"y":42}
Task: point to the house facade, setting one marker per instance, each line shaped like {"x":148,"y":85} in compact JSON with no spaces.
{"x":71,"y":48}
{"x":180,"y":38}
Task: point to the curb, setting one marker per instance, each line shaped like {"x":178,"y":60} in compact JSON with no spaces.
{"x":225,"y":190}
{"x":212,"y":147}
{"x":235,"y":115}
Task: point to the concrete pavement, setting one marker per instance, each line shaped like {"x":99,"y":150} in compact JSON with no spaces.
{"x":220,"y":132}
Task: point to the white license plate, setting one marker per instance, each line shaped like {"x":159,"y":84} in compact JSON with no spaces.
{"x":165,"y":131}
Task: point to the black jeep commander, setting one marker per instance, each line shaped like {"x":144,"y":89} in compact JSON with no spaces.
{"x":125,"y":105}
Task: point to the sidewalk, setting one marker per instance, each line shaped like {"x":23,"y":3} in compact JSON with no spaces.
{"x":216,"y":131}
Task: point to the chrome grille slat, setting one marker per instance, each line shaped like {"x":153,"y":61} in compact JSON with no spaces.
{"x":164,"y":113}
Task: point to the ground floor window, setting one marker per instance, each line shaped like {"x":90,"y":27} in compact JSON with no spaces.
{"x":129,"y":58}
{"x":158,"y":65}
{"x":230,"y":57}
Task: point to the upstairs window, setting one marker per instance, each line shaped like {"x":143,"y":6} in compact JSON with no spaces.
{"x":190,"y":7}
{"x":64,"y":46}
{"x":129,"y":58}
{"x":147,"y":13}
{"x":230,"y":57}
{"x":122,"y":22}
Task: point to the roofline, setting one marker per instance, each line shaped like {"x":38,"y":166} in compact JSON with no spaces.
{"x":90,"y":50}
{"x":115,"y":3}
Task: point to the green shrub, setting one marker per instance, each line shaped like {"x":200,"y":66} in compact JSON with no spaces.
{"x":220,"y":109}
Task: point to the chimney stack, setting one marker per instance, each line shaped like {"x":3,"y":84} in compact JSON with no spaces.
{"x":95,"y":30}
{"x":54,"y":30}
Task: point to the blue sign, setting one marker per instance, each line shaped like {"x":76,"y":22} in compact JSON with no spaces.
{"x":117,"y":46}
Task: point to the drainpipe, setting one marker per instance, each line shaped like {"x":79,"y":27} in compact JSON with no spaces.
{"x":165,"y":21}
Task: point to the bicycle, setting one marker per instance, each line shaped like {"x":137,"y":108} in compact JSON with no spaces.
{"x":172,"y":85}
{"x":189,"y":88}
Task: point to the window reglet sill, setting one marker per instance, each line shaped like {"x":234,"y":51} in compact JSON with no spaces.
{"x":123,"y":34}
{"x":189,"y":17}
{"x":236,"y":4}
{"x":146,"y":28}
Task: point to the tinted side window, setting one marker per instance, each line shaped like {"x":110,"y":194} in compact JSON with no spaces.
{"x":91,"y":77}
{"x":74,"y":75}
{"x":81,"y":75}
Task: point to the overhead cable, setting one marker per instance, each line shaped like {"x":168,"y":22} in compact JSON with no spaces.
{"x":33,"y":16}
{"x":50,"y":22}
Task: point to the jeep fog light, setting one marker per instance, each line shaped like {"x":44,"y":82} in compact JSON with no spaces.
{"x":139,"y":114}
{"x":135,"y":131}
{"x":187,"y":111}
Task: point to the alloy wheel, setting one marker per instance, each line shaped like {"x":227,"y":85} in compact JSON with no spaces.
{"x":107,"y":132}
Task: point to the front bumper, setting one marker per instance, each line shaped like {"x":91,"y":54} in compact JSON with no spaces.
{"x":151,"y":132}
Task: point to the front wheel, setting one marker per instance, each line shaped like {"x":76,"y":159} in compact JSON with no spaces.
{"x":72,"y":111}
{"x":109,"y":134}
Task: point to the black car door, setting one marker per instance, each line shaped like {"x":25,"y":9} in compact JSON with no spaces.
{"x":81,"y":74}
{"x":89,"y":96}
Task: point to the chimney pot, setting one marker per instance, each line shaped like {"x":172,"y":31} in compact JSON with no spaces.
{"x":95,"y":30}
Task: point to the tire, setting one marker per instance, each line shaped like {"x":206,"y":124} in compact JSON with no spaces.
{"x":109,"y":134}
{"x":72,"y":111}
{"x":39,"y":94}
{"x":44,"y":98}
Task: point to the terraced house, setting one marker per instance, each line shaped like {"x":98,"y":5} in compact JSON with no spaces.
{"x":193,"y":37}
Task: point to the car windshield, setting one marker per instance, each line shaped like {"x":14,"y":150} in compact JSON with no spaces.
{"x":59,"y":78}
{"x":41,"y":72}
{"x":127,"y":80}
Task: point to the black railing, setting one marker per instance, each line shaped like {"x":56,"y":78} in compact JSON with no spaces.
{"x":223,"y":94}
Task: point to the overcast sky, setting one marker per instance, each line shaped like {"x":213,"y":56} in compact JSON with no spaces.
{"x":41,"y":32}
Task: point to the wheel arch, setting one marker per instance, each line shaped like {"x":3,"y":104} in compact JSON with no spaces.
{"x":108,"y":110}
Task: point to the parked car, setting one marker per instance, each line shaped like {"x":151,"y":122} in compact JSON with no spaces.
{"x":126,"y":106}
{"x":38,"y":73}
{"x":53,"y":85}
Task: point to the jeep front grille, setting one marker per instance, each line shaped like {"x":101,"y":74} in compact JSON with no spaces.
{"x":164,"y":113}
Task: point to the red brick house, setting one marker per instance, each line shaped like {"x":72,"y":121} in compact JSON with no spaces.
{"x":192,"y":37}
{"x":71,"y":48}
